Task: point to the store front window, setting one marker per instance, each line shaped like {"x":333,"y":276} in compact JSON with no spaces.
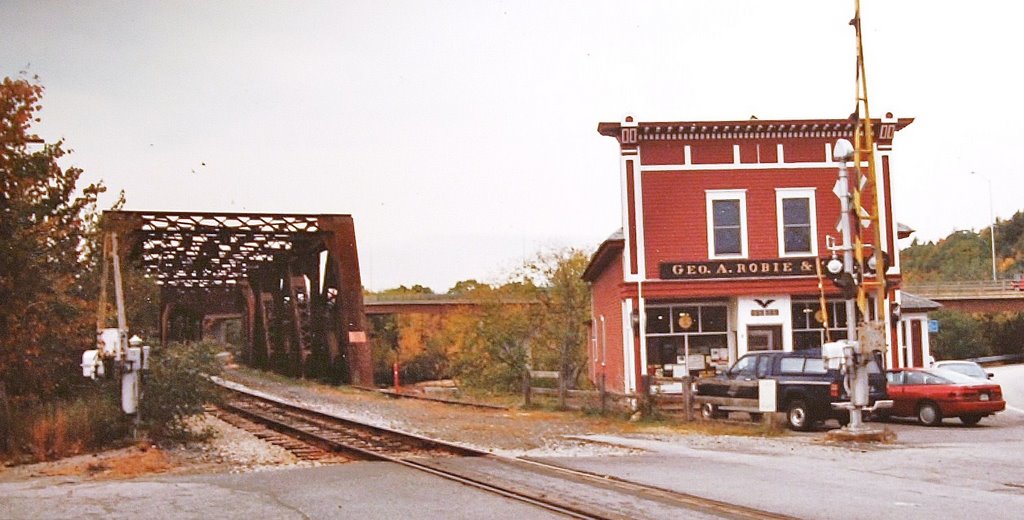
{"x":809,"y":324}
{"x":686,"y":338}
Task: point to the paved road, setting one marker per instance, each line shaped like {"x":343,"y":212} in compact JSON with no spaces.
{"x":951,"y":471}
{"x":1011,"y":378}
{"x":356,"y":490}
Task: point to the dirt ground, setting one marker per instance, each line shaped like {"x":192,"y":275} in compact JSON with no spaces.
{"x":512,"y":431}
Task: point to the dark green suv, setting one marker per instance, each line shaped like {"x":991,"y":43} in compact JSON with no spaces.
{"x":805,"y":388}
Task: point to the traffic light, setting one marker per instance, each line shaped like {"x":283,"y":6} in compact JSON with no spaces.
{"x":840,"y":278}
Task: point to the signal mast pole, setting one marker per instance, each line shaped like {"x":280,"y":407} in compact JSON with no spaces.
{"x":866,"y":334}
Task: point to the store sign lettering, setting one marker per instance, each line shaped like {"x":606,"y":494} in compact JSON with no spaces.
{"x":738,"y":268}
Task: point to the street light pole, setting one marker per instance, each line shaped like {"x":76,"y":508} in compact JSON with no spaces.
{"x":992,"y":220}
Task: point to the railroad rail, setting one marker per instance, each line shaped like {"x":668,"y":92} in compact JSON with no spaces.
{"x":315,"y":435}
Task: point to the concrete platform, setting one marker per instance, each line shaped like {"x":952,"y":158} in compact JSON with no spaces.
{"x":861,"y":435}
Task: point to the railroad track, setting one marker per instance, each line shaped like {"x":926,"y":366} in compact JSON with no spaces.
{"x":313,"y":435}
{"x":331,"y":434}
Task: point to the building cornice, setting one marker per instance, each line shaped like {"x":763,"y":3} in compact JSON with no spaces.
{"x":749,"y":129}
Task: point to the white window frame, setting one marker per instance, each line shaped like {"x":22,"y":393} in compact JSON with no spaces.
{"x":713,"y":195}
{"x":796,"y":193}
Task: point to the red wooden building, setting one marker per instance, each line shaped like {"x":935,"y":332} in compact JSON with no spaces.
{"x":723,"y":223}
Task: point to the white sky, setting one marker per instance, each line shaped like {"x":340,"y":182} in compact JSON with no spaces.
{"x":462,"y":135}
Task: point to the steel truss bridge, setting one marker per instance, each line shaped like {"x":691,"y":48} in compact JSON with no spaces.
{"x":292,"y":280}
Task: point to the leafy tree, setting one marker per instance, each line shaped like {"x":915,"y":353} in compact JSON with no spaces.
{"x":402,"y":290}
{"x":46,"y":220}
{"x":1003,"y":331}
{"x":963,"y":255}
{"x":966,"y":255}
{"x":384,"y":334}
{"x":468,"y":288}
{"x":1010,"y":244}
{"x":497,"y":346}
{"x":960,"y":336}
{"x":565,"y":300}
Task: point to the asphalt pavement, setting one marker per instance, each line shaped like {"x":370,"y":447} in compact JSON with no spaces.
{"x":949,"y":471}
{"x":355,"y":490}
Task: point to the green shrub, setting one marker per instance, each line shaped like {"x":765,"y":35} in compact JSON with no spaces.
{"x":429,"y":365}
{"x":960,"y":336}
{"x":177,"y":387}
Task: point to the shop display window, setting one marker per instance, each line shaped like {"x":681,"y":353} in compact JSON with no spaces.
{"x":694,"y":340}
{"x":809,"y":323}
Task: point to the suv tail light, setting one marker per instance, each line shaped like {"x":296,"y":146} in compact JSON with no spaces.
{"x":833,"y":390}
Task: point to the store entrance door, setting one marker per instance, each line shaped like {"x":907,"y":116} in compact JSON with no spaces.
{"x":764,"y":337}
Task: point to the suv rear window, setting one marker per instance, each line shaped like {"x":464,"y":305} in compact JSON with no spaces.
{"x":791,"y":365}
{"x":815,"y":366}
{"x":802,"y":365}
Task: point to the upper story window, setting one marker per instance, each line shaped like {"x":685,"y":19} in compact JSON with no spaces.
{"x":727,"y":223}
{"x":797,"y":229}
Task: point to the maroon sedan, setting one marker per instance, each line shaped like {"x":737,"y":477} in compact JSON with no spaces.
{"x":933,"y":393}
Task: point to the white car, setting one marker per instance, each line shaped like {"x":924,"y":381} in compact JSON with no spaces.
{"x":967,"y":368}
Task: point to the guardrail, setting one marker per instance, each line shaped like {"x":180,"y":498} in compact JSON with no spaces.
{"x":988,"y":360}
{"x":967,"y":288}
{"x":414,"y":297}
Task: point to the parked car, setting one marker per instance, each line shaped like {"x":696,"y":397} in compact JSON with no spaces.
{"x":806,"y":387}
{"x":930,"y":394}
{"x":967,"y":368}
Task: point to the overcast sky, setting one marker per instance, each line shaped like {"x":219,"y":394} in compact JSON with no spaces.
{"x":462,"y":136}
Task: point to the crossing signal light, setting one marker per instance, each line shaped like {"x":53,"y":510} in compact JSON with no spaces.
{"x":840,"y":278}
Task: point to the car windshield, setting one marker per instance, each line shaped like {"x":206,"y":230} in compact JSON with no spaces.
{"x":951,"y":376}
{"x":965,"y":368}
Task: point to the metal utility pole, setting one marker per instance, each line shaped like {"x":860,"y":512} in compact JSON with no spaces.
{"x":844,"y":152}
{"x":856,"y":367}
{"x":859,"y":349}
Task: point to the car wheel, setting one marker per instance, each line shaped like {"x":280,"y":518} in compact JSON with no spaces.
{"x":797,"y":415}
{"x":970,"y":420}
{"x":843,"y":419}
{"x":929,"y":414}
{"x":710,"y":411}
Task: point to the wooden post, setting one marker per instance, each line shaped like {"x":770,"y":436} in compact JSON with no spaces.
{"x":688,"y":398}
{"x":526,"y":388}
{"x":5,"y":417}
{"x":101,"y":309}
{"x":646,"y":400}
{"x":562,"y":388}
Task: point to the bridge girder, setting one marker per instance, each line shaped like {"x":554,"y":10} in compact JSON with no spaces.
{"x":293,"y":278}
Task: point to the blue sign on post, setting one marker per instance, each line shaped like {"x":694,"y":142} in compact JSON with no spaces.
{"x":933,"y":326}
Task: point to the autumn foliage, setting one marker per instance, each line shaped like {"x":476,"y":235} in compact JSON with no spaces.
{"x":534,"y":320}
{"x":47,"y":294}
{"x":46,"y":221}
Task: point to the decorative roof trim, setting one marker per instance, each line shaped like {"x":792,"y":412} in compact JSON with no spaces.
{"x":751,"y":129}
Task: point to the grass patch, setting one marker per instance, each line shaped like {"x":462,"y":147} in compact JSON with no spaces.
{"x":37,"y":432}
